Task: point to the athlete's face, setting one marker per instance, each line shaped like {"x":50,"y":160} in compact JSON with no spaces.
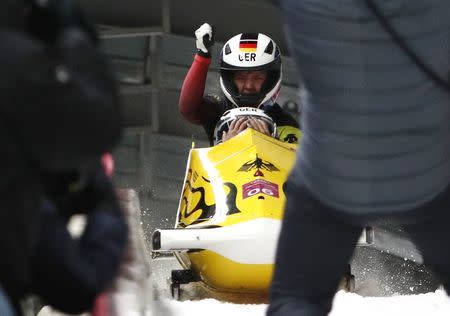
{"x":249,"y":82}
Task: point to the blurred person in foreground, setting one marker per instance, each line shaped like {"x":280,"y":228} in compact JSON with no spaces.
{"x":59,"y":111}
{"x":376,"y":140}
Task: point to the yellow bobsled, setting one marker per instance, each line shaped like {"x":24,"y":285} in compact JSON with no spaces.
{"x":229,"y":215}
{"x":229,"y":218}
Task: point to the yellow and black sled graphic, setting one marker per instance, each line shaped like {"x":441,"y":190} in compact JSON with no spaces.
{"x":230,"y":212}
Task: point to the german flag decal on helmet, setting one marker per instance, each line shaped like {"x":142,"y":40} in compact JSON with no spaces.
{"x":248,"y":42}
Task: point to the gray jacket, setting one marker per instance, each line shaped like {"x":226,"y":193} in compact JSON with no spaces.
{"x":376,"y":129}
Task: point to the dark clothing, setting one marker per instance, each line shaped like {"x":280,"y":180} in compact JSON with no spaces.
{"x":69,"y":93}
{"x":317,"y":242}
{"x":207,"y":110}
{"x":69,"y":273}
{"x":59,"y":111}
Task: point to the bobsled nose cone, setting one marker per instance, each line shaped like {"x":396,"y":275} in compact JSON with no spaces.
{"x":156,"y":240}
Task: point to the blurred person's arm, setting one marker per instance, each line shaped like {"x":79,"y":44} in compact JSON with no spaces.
{"x":69,"y":273}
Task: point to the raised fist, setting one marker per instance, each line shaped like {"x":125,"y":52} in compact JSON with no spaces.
{"x":204,"y":39}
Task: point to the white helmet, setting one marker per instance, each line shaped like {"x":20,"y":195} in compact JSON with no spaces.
{"x":229,"y":116}
{"x":248,"y":52}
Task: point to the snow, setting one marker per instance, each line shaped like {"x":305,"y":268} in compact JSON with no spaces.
{"x":204,"y":307}
{"x":345,"y":304}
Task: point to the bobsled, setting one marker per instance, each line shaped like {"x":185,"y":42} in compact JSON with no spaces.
{"x":229,"y":219}
{"x":229,"y":215}
{"x":230,"y":212}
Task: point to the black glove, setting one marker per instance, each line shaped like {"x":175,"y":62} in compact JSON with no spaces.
{"x":47,"y":19}
{"x":99,"y":191}
{"x":81,"y":192}
{"x":204,"y":40}
{"x":66,"y":191}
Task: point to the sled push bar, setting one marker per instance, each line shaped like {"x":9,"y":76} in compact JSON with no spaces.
{"x":251,"y":242}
